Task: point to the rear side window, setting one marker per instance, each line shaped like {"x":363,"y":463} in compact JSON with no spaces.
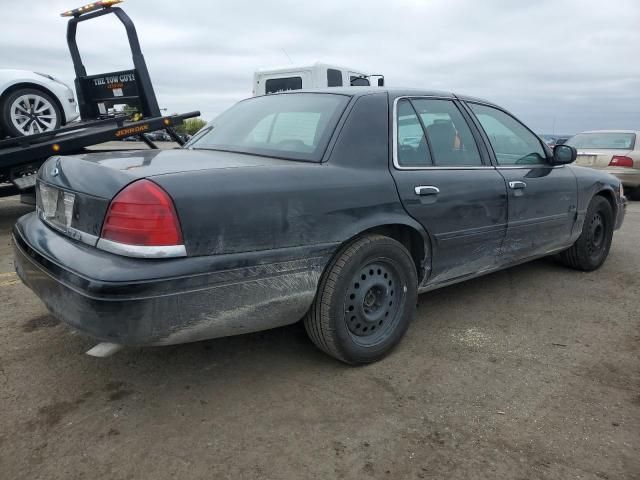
{"x":450,"y":139}
{"x":274,"y":85}
{"x":434,"y":132}
{"x":293,"y":126}
{"x":413,"y":150}
{"x":512,"y":142}
{"x":334,"y":77}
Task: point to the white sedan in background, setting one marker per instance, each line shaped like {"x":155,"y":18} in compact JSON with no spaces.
{"x":615,"y":151}
{"x":32,"y":102}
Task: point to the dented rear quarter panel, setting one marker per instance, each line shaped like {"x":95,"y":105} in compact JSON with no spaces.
{"x":258,"y":232}
{"x":293,"y":203}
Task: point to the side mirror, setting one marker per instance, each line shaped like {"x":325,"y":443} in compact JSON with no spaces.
{"x":564,"y":154}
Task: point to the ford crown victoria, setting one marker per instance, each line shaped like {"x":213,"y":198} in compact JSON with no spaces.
{"x":338,"y":206}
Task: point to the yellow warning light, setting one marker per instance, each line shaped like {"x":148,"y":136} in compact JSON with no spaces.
{"x":91,"y":7}
{"x":56,"y":147}
{"x":166,"y":121}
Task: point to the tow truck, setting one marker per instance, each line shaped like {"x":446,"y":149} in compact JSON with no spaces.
{"x":100,"y":120}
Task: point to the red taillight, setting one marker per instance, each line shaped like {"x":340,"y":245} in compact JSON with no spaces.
{"x":142,"y":214}
{"x":621,"y":161}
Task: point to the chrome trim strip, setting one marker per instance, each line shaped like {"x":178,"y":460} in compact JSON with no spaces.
{"x":141,"y":251}
{"x":70,"y":232}
{"x":397,"y":165}
{"x":485,"y":167}
{"x":528,"y":167}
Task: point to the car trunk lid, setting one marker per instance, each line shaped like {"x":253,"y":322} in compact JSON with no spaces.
{"x":597,"y":158}
{"x":73,"y":193}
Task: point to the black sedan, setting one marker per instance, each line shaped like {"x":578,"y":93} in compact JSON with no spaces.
{"x":337,"y":206}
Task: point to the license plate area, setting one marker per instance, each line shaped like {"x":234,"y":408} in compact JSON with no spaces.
{"x":55,"y":206}
{"x":586,"y":160}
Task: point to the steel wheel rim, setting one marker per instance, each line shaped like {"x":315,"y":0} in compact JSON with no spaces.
{"x":596,"y":238}
{"x":373,"y":302}
{"x":32,"y":114}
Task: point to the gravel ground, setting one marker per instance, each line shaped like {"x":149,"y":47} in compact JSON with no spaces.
{"x":528,"y":373}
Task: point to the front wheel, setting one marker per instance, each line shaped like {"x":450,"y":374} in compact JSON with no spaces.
{"x":592,"y":247}
{"x":365,"y":301}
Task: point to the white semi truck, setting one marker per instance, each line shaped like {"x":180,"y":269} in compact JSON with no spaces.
{"x":317,"y":75}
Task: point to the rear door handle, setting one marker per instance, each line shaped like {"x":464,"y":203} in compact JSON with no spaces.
{"x":517,"y":185}
{"x":426,"y":190}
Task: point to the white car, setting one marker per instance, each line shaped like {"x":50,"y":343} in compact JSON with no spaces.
{"x":32,"y":102}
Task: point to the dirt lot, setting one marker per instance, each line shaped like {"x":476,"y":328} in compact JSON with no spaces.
{"x":528,"y":373}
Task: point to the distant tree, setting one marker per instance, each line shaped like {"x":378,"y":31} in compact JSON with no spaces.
{"x":190,"y":126}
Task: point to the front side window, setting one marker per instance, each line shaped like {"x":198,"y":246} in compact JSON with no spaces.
{"x":275,"y":85}
{"x":434,"y":132}
{"x":512,"y":142}
{"x":334,"y":77}
{"x":603,"y":140}
{"x":291,"y":126}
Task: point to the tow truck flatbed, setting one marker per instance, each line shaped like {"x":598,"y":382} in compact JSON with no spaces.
{"x":98,"y":96}
{"x":21,"y":157}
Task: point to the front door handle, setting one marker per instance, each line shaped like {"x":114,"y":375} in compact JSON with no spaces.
{"x":426,"y":190}
{"x":517,"y":185}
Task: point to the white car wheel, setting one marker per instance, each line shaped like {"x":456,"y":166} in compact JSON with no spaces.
{"x":27,"y":112}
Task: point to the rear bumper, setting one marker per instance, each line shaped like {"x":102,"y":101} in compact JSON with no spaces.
{"x":630,"y":177}
{"x":126,"y":301}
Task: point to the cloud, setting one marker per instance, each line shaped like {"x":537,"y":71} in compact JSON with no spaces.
{"x":563,"y":65}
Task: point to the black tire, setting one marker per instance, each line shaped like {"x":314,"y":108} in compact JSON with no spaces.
{"x":592,"y":247}
{"x":6,"y":123}
{"x":356,"y":323}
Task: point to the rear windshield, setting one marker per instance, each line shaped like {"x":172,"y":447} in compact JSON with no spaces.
{"x":604,"y":140}
{"x":291,"y":126}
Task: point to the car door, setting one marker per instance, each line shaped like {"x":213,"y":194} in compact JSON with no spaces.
{"x":446,"y":183}
{"x":542,"y":198}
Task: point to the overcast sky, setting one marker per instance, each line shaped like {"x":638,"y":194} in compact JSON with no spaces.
{"x":558,"y":65}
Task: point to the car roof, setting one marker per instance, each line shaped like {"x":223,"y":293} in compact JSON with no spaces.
{"x":393,"y":92}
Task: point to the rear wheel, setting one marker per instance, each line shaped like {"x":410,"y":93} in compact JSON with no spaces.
{"x":365,"y":301}
{"x":28,"y":111}
{"x":592,"y":247}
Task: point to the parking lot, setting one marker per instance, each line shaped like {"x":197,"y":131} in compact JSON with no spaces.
{"x":531,"y":372}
